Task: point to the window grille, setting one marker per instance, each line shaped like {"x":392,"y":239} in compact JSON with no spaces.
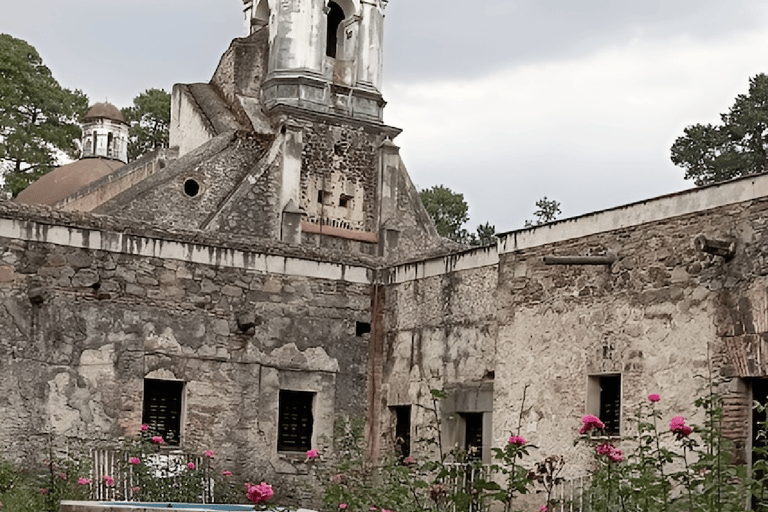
{"x":162,"y":409}
{"x":295,"y":421}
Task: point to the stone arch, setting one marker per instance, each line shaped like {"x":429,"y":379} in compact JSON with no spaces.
{"x":335,"y":29}
{"x":261,"y":13}
{"x":348,"y":6}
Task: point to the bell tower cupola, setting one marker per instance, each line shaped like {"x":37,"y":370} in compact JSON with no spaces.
{"x":105,"y":133}
{"x":324,"y":55}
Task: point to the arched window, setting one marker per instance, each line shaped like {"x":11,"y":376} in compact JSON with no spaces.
{"x":110,"y":138}
{"x":260,"y":14}
{"x":95,"y":143}
{"x":335,"y":18}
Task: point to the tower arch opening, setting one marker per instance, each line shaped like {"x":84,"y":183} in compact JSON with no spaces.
{"x":336,"y":16}
{"x":261,"y":13}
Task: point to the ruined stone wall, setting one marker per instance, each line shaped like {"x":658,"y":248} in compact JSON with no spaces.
{"x":82,"y":327}
{"x":666,"y":316}
{"x":440,"y":333}
{"x":339,"y":176}
{"x":660,"y":316}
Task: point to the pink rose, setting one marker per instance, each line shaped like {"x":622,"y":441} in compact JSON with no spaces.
{"x":144,"y":427}
{"x":83,"y":481}
{"x":678,"y":426}
{"x":63,"y":476}
{"x":342,"y":506}
{"x":590,"y":422}
{"x":135,"y":489}
{"x":109,"y":481}
{"x":311,"y":454}
{"x":610,"y":451}
{"x":158,"y":439}
{"x":517,"y":441}
{"x":653,"y":397}
{"x":209,"y":454}
{"x":616,"y":455}
{"x":134,"y":461}
{"x":226,"y":473}
{"x":191,"y":465}
{"x":543,"y":508}
{"x":259,"y":493}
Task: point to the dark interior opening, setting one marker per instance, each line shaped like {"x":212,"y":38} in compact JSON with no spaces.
{"x":473,"y":434}
{"x":402,"y":429}
{"x":610,"y":403}
{"x":362,"y":328}
{"x":191,"y":187}
{"x":335,"y":17}
{"x":162,"y":409}
{"x":295,"y":421}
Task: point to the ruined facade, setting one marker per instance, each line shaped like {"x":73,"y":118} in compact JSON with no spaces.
{"x":275,"y":271}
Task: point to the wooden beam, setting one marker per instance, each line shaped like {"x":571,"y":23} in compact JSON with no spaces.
{"x":724,"y":248}
{"x":579,"y":260}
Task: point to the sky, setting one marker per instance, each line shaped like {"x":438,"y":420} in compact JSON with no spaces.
{"x":505,"y":101}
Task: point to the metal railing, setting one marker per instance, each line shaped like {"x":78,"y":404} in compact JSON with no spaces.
{"x":123,"y":481}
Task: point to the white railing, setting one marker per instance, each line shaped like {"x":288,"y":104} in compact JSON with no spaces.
{"x":114,"y":464}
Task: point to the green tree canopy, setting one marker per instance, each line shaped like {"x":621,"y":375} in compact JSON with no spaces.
{"x":548,"y":210}
{"x":39,"y":119}
{"x":737,"y":147}
{"x":150,"y":119}
{"x":449,"y":212}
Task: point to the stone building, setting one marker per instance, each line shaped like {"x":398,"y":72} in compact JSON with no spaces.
{"x":275,"y":271}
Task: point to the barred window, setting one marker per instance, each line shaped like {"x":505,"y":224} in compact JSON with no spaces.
{"x":295,"y":421}
{"x":473,"y":434}
{"x":402,"y":415}
{"x":162,"y":409}
{"x":604,"y":401}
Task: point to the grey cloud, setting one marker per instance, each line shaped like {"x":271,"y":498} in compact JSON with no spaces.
{"x":446,"y":38}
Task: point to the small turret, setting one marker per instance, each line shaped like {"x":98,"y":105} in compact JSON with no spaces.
{"x":105,"y":133}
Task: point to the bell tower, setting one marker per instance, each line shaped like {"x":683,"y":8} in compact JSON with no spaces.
{"x":324,"y":55}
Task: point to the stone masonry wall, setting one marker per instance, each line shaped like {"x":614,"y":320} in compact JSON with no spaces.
{"x":440,"y":333}
{"x":340,"y":160}
{"x":83,"y":328}
{"x":660,"y":316}
{"x":666,"y":316}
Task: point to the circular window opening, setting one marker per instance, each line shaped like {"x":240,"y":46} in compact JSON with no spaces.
{"x":191,"y":187}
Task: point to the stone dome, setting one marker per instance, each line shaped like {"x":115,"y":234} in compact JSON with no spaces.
{"x":105,"y":111}
{"x":64,"y":181}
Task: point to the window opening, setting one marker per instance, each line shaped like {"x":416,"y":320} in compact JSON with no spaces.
{"x":335,"y":17}
{"x":191,"y":187}
{"x":344,"y":200}
{"x":295,"y":421}
{"x":162,"y":409}
{"x":95,"y":141}
{"x":362,"y":328}
{"x":605,"y":391}
{"x":110,"y":138}
{"x":402,"y":429}
{"x":473,"y":434}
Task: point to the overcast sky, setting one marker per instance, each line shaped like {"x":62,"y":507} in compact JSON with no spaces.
{"x":505,"y":101}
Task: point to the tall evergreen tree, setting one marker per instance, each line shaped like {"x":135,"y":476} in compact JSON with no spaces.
{"x":39,"y":119}
{"x":737,"y":147}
